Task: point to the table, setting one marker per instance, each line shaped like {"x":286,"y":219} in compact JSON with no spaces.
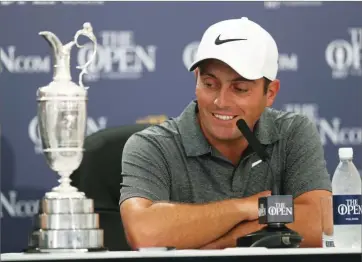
{"x":226,"y":255}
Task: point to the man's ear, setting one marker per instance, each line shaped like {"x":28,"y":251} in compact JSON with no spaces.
{"x":273,"y":90}
{"x":196,"y":72}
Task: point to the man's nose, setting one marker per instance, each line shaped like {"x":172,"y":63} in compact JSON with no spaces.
{"x":222,"y":99}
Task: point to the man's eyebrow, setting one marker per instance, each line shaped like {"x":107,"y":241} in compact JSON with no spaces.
{"x":207,"y":74}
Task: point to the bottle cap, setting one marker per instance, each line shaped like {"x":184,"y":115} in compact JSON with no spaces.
{"x":345,"y":153}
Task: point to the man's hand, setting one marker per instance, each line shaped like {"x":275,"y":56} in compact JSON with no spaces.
{"x":250,"y":207}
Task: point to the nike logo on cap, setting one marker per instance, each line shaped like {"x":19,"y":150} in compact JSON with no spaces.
{"x":220,"y":42}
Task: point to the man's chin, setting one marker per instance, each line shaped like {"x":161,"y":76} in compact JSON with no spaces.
{"x":225,"y":136}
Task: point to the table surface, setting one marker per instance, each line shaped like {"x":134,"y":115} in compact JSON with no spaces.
{"x":177,"y":253}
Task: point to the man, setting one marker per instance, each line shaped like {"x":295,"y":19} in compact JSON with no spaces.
{"x":193,"y":181}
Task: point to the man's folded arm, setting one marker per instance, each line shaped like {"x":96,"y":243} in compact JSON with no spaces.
{"x":306,"y":179}
{"x":148,"y":216}
{"x":306,"y":223}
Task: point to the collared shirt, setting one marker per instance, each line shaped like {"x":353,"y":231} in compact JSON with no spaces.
{"x":174,"y":162}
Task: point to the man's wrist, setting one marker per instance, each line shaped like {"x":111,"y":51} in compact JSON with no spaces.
{"x":243,"y":207}
{"x":248,"y":206}
{"x":245,"y":228}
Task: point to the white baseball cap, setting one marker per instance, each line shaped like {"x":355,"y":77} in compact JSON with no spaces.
{"x":242,"y":44}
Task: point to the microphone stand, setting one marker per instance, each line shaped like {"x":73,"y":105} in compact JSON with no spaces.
{"x":275,"y":234}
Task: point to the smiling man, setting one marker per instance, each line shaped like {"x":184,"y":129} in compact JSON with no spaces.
{"x":193,"y":181}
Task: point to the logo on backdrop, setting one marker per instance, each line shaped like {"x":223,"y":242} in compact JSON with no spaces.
{"x":118,"y":57}
{"x":287,"y":62}
{"x":330,"y":130}
{"x":344,"y":56}
{"x":152,"y":119}
{"x":17,"y":62}
{"x":93,"y":125}
{"x":12,"y":2}
{"x":278,"y":4}
{"x":14,"y":207}
{"x":5,"y":3}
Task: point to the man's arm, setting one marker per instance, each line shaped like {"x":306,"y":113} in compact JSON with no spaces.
{"x":308,"y":217}
{"x":307,"y":223}
{"x":183,"y":226}
{"x":148,"y":217}
{"x":306,"y":179}
{"x":230,"y":238}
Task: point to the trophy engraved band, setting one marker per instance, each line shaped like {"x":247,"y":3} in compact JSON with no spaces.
{"x":66,"y":219}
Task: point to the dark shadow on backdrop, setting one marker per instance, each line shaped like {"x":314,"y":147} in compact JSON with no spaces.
{"x":14,"y":229}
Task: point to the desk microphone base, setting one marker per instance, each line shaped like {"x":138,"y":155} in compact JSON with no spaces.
{"x":278,"y":236}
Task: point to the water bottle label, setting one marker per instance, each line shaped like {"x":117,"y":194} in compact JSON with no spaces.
{"x":347,"y":209}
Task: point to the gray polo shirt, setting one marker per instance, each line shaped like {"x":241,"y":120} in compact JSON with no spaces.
{"x":174,"y":162}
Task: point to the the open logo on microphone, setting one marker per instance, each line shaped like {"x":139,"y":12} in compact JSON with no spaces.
{"x":280,"y":209}
{"x":276,"y":209}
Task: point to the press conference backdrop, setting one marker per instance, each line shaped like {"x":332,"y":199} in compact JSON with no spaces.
{"x":140,"y":75}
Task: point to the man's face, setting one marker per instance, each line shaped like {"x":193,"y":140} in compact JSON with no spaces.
{"x":224,"y":97}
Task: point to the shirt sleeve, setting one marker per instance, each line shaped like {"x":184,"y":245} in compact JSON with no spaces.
{"x":305,"y":164}
{"x":144,"y":170}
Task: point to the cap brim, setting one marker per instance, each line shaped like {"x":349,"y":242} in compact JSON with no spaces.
{"x":242,"y":70}
{"x":195,"y":65}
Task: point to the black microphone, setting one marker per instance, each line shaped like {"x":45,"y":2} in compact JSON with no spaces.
{"x":259,"y":150}
{"x":275,"y":211}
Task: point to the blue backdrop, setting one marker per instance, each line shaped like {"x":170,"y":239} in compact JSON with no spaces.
{"x":141,"y":75}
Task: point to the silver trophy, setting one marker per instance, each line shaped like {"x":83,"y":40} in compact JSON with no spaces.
{"x":66,"y":220}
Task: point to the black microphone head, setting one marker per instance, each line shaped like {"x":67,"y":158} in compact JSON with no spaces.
{"x":245,"y":130}
{"x":242,"y":125}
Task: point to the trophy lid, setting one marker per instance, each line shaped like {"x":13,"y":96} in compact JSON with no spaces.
{"x":62,"y":84}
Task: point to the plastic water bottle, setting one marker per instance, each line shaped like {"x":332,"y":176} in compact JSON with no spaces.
{"x":347,"y":202}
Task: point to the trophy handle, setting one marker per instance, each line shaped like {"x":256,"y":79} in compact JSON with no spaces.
{"x":88,"y":32}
